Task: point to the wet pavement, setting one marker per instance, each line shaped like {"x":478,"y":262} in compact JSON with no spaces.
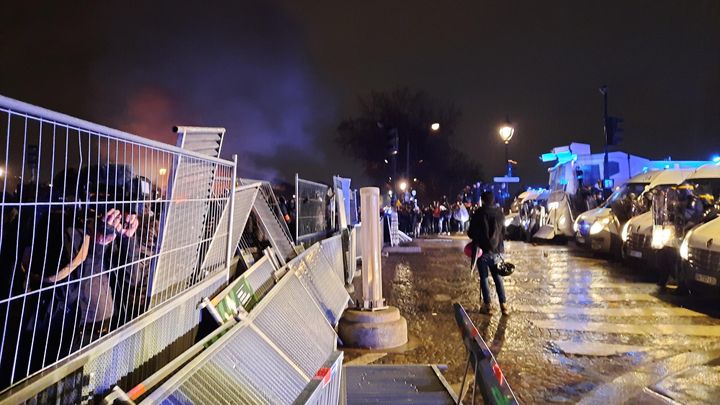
{"x":583,"y":329}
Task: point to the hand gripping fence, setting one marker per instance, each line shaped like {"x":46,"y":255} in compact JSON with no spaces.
{"x":102,"y":232}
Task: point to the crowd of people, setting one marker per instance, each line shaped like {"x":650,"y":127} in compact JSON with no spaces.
{"x":439,"y":217}
{"x":73,"y":268}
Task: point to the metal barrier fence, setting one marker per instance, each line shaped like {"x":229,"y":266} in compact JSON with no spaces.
{"x":271,"y":215}
{"x":98,"y":227}
{"x":311,"y":210}
{"x":489,"y":377}
{"x":354,"y":199}
{"x":320,"y":276}
{"x":268,"y":358}
{"x":245,"y":292}
{"x":325,"y":387}
{"x":342,"y":184}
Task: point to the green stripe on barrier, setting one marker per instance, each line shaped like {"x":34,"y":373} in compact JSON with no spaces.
{"x":241,"y":295}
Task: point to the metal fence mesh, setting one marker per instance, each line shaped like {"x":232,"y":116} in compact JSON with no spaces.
{"x":291,"y":319}
{"x":271,"y":214}
{"x":323,"y":284}
{"x":332,"y":249}
{"x":311,"y":205}
{"x":85,"y":212}
{"x":241,"y":368}
{"x":216,"y":255}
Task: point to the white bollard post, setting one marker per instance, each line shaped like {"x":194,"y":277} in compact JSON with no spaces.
{"x":371,"y":255}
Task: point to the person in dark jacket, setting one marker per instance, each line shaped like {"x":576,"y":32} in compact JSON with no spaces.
{"x":486,"y":231}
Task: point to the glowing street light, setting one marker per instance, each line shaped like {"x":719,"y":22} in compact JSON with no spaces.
{"x":403,"y":186}
{"x":506,"y":133}
{"x":435,"y":126}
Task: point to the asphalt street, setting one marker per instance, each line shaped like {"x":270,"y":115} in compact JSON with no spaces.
{"x":583,"y":328}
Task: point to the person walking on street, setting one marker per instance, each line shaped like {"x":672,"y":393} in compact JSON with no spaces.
{"x":486,"y":231}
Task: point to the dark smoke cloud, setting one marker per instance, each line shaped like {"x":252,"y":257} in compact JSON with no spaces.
{"x":145,"y":68}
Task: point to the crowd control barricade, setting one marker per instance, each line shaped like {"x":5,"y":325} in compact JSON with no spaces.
{"x":353,"y":200}
{"x":325,"y":386}
{"x":245,"y":292}
{"x":223,"y":243}
{"x":342,"y":184}
{"x":102,"y":232}
{"x":198,"y":195}
{"x":489,"y":378}
{"x":271,"y":215}
{"x":269,"y":357}
{"x":323,"y":282}
{"x":311,"y":207}
{"x":332,"y":249}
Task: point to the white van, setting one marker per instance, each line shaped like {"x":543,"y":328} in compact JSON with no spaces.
{"x":678,"y":210}
{"x":637,"y":233}
{"x":599,"y":228}
{"x":700,"y":254}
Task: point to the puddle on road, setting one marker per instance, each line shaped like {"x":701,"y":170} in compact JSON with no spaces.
{"x":442,"y":297}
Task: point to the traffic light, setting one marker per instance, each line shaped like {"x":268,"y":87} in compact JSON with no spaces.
{"x":613,"y":132}
{"x":392,"y":142}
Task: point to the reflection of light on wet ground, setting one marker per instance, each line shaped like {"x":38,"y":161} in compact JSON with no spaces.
{"x":403,"y":286}
{"x":626,"y":387}
{"x":633,"y":329}
{"x":629,"y":312}
{"x":604,"y":312}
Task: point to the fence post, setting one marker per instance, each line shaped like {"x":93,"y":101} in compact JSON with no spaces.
{"x":230,"y":247}
{"x":371,"y":261}
{"x":297,"y":210}
{"x":375,"y":325}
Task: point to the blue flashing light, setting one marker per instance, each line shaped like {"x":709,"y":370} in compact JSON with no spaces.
{"x":548,"y":157}
{"x":716,"y":158}
{"x":566,"y":157}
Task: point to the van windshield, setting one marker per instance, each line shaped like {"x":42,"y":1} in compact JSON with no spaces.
{"x":636,"y":189}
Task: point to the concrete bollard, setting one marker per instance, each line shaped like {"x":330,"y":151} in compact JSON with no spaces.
{"x":375,"y":326}
{"x":371,"y":258}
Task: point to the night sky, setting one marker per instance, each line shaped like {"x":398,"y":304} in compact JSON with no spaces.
{"x":281,"y":75}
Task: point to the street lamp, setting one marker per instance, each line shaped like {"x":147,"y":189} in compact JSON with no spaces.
{"x":403,"y":186}
{"x":435,"y":126}
{"x":506,"y":134}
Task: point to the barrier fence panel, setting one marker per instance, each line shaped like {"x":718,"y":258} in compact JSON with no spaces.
{"x":311,"y":210}
{"x":323,"y":283}
{"x":353,"y":200}
{"x":324,"y":388}
{"x":343,"y":184}
{"x":85,"y":210}
{"x":489,"y":378}
{"x":216,"y":255}
{"x":246,"y":291}
{"x":271,"y":214}
{"x":268,"y":358}
{"x":198,"y":194}
{"x":332,"y":249}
